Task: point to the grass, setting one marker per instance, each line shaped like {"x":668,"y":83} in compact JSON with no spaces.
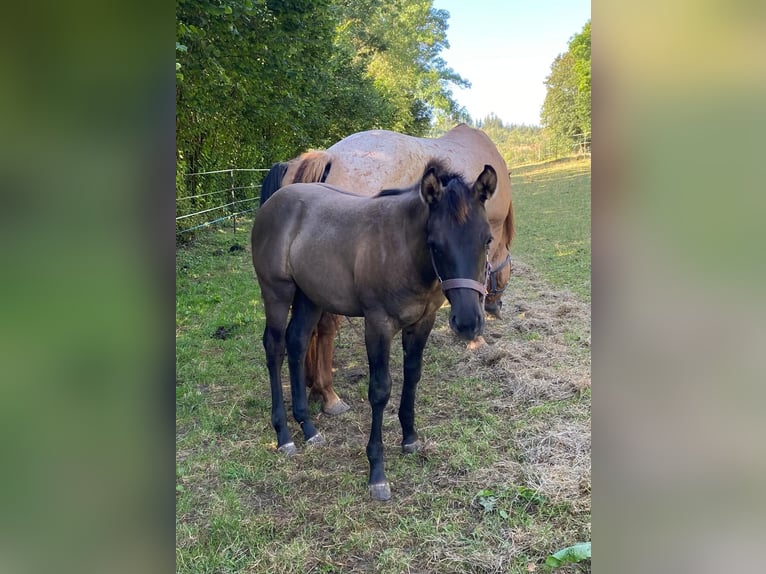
{"x":552,"y":206}
{"x":503,"y":480}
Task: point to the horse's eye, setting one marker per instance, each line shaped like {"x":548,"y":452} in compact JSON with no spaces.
{"x":488,"y":241}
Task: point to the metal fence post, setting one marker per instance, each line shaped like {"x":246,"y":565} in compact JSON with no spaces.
{"x":233,"y":199}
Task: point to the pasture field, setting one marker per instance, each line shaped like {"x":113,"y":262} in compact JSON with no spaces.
{"x":552,"y":206}
{"x":503,"y":480}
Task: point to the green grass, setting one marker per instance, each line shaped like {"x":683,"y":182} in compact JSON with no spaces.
{"x":552,"y":207}
{"x":242,"y":508}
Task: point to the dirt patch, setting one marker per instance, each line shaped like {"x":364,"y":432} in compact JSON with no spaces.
{"x":224,"y":332}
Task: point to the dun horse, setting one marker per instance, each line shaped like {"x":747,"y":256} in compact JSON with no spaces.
{"x":391,"y":258}
{"x":367,"y":162}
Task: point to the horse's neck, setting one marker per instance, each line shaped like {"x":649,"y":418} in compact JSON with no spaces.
{"x":415,"y":213}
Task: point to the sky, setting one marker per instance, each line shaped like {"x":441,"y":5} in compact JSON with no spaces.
{"x":505,"y":48}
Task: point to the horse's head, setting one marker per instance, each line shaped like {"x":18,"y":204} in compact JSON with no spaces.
{"x":458,"y":238}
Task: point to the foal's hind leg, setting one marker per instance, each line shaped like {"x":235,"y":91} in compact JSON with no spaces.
{"x":274,"y":345}
{"x":414,"y":340}
{"x":304,"y":319}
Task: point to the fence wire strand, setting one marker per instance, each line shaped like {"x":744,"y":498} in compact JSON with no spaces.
{"x":207,"y":223}
{"x":232,"y":205}
{"x":215,"y":192}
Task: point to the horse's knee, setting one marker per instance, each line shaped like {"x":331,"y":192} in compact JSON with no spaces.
{"x":273,"y":342}
{"x":379,"y":393}
{"x":296,"y":343}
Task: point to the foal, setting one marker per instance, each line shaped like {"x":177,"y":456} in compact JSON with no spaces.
{"x":390,"y":258}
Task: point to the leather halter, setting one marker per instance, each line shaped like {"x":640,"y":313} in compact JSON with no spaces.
{"x":493,"y":290}
{"x":462,"y":282}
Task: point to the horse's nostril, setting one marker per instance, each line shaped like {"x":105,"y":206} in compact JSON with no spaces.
{"x":467,"y":329}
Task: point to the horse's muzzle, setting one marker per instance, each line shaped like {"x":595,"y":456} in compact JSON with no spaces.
{"x":467,"y":327}
{"x":467,"y":312}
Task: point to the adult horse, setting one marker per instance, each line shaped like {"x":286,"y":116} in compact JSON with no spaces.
{"x":391,"y":258}
{"x":369,"y":161}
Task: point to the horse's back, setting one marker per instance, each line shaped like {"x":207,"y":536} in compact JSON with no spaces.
{"x":313,"y":235}
{"x":369,"y":161}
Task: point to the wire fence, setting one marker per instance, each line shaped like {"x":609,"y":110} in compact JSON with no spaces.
{"x":551,"y":149}
{"x":236,"y":192}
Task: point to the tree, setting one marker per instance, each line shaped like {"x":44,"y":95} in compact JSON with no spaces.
{"x":566,"y":110}
{"x":399,"y":42}
{"x":260,"y":81}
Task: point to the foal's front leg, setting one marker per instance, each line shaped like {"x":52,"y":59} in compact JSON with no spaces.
{"x":414,"y":340}
{"x":378,"y":341}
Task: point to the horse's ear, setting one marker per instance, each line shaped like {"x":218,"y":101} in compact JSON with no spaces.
{"x":430,"y":187}
{"x":486,"y":183}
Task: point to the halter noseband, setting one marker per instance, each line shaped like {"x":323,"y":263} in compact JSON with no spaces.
{"x":464,"y":283}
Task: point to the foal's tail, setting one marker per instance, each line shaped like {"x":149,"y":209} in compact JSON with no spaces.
{"x":313,"y":166}
{"x":273,"y":180}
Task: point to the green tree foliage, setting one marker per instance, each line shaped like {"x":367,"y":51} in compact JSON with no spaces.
{"x":518,"y":144}
{"x":400,"y":42}
{"x":262,"y":80}
{"x":248,"y":78}
{"x":566,"y":109}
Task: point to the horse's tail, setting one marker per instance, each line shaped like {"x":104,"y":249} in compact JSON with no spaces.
{"x":510,"y":228}
{"x":273,"y":180}
{"x":314,"y":167}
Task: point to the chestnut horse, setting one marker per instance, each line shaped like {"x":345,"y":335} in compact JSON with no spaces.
{"x":369,"y":161}
{"x":391,"y":258}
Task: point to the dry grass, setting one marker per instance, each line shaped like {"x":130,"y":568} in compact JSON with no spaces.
{"x":508,"y":423}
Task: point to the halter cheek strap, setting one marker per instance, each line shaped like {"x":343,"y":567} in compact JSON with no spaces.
{"x":493,"y":290}
{"x":464,"y":283}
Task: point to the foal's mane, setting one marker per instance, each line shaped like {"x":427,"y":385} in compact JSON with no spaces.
{"x":456,"y":191}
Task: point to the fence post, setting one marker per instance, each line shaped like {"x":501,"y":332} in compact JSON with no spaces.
{"x":233,"y":199}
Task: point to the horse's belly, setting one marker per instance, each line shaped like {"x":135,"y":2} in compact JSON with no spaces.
{"x":334,"y":301}
{"x":332,"y":291}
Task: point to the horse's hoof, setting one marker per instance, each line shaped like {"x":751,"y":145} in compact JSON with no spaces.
{"x":412,"y":447}
{"x":288,"y":449}
{"x":316,"y":440}
{"x":337,"y":408}
{"x":380,"y":491}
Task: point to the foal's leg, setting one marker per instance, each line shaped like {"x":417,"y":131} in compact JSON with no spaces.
{"x":274,"y":345}
{"x":413,"y":342}
{"x":378,"y":342}
{"x":304,"y":319}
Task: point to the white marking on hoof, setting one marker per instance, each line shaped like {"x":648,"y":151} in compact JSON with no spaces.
{"x":288,"y":449}
{"x":380,"y":492}
{"x":316,"y":440}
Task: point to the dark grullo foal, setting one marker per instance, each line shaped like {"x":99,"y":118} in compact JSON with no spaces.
{"x":390,"y":258}
{"x":369,"y":161}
